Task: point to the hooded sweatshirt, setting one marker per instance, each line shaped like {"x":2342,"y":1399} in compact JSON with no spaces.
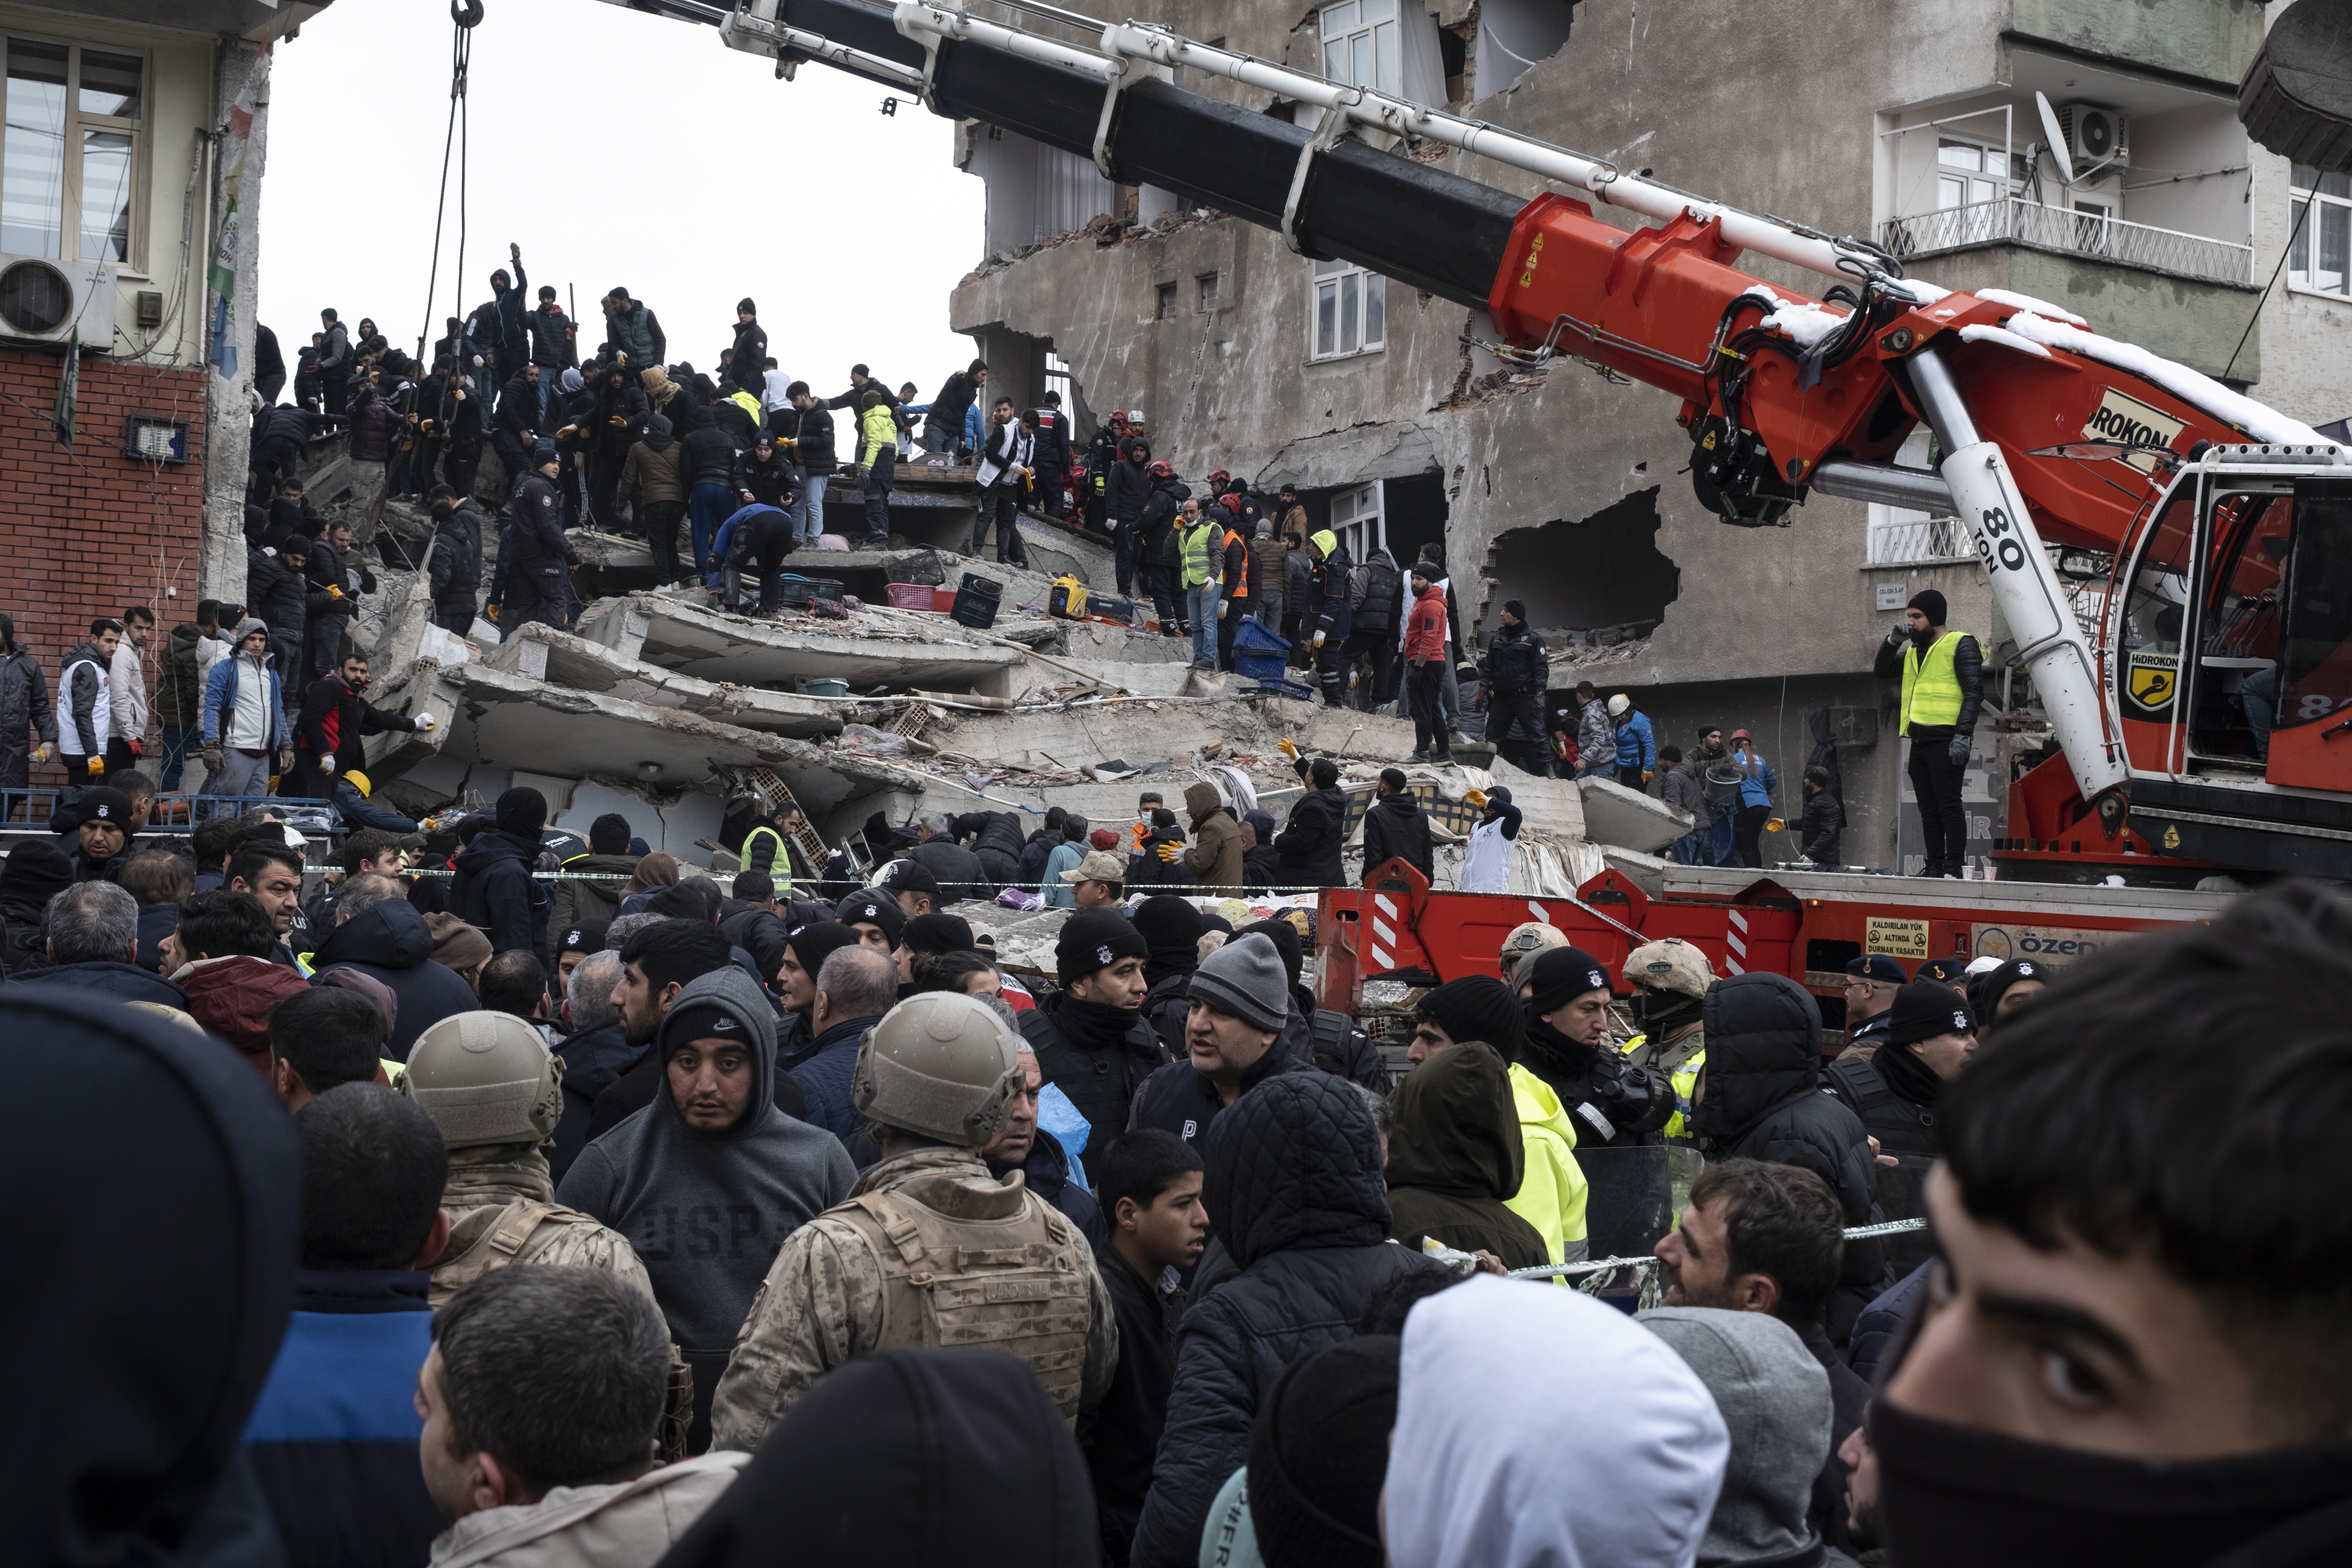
{"x":1775,"y":1400}
{"x":167,"y":1252}
{"x":707,"y":1212}
{"x":232,"y":997}
{"x":1454,"y":1156}
{"x":390,"y":943}
{"x":1506,"y":1390}
{"x":495,"y":892}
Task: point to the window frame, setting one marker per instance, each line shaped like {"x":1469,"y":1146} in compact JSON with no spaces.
{"x":1362,"y":531}
{"x":2308,"y":239}
{"x":1372,"y":33}
{"x":1163,"y":302}
{"x":76,"y":122}
{"x":1336,"y":277}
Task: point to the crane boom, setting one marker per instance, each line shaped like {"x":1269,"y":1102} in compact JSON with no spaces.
{"x":2048,"y":431}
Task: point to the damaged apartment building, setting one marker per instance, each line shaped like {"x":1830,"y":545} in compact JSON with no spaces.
{"x":1908,"y":123}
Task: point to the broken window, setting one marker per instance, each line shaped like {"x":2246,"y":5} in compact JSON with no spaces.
{"x":1207,"y":284}
{"x":1356,"y":519}
{"x":1350,"y":311}
{"x":1167,"y":306}
{"x":1601,"y":578}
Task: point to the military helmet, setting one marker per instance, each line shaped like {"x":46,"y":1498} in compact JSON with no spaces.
{"x":1530,"y":936}
{"x":1672,"y":964}
{"x":941,"y":1064}
{"x":486,"y":1078}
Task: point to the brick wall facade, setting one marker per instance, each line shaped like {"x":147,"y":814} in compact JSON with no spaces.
{"x":89,"y":532}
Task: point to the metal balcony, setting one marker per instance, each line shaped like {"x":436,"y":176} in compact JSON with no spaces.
{"x":2011,"y":220}
{"x":1919,"y":542}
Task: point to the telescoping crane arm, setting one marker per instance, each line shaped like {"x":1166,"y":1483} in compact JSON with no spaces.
{"x":1782,"y":393}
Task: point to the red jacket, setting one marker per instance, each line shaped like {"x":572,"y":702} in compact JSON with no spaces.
{"x":1424,"y":629}
{"x":232,"y":998}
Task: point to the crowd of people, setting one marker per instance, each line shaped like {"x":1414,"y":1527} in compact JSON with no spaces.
{"x":681,"y":1226}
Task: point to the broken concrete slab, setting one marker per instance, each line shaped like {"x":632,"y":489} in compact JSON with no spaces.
{"x":545,"y":654}
{"x":1626,"y":818}
{"x":881,"y":650}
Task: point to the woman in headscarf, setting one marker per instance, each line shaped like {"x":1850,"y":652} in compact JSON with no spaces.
{"x":654,"y":872}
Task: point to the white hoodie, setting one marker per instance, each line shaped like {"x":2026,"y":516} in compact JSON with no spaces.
{"x":1537,"y":1428}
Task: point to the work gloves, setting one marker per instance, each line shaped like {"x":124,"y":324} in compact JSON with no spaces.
{"x":98,"y":767}
{"x":1222,"y":607}
{"x":1959,"y":750}
{"x":41,"y":752}
{"x":212,"y":755}
{"x":490,"y":613}
{"x":326,"y":762}
{"x":285,"y":759}
{"x":1318,"y":640}
{"x":1168,"y":853}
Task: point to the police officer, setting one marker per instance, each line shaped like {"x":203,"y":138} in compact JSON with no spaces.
{"x":1930,"y":1036}
{"x":1870,"y":984}
{"x":1669,"y":980}
{"x":1943,"y":688}
{"x":496,"y":1094}
{"x":932,"y":1250}
{"x":535,"y":577}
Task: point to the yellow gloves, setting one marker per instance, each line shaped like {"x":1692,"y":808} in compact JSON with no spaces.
{"x":98,"y":767}
{"x":490,"y":613}
{"x":1168,"y":853}
{"x":1287,"y":747}
{"x":1645,"y":775}
{"x":1477,"y":797}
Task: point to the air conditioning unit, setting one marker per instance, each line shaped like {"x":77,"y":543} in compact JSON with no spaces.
{"x":42,"y":301}
{"x":2095,"y":135}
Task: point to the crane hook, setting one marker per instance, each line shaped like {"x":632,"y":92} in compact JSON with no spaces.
{"x":466,"y":13}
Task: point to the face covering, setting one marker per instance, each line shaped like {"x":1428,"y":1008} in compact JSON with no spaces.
{"x":1956,"y":1497}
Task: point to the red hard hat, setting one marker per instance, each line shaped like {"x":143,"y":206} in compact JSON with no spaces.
{"x":1741,"y":735}
{"x":1161,"y":471}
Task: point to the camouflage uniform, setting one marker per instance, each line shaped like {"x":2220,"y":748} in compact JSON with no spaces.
{"x":507,"y":1185}
{"x":823,"y":1300}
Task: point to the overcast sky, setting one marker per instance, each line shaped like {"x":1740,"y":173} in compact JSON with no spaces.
{"x":616,"y":148}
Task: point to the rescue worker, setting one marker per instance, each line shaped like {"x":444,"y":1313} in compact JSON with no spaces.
{"x":1328,"y":614}
{"x":1930,"y":1034}
{"x":1516,"y":669}
{"x":535,"y":581}
{"x":1943,"y":690}
{"x":1053,"y":448}
{"x":769,"y":846}
{"x":496,"y":1094}
{"x":1637,"y":749}
{"x":930,"y":1249}
{"x":1238,"y":598}
{"x":1669,"y":981}
{"x":85,"y":714}
{"x":1201,"y":581}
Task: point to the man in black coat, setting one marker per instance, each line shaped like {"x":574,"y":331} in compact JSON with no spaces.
{"x":1396,"y":827}
{"x":493,"y":890}
{"x":1052,"y":454}
{"x":1761,"y":1098}
{"x":995,"y":838}
{"x":1309,"y":846}
{"x":1126,"y":493}
{"x":1090,"y":1037}
{"x":534,"y":582}
{"x":1294,"y":1189}
{"x":380,"y":934}
{"x":455,"y":573}
{"x":1517,"y":669}
{"x":1613,"y":1102}
{"x":278,"y":593}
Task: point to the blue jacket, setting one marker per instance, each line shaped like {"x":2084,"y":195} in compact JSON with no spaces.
{"x":1881,"y":1323}
{"x":824,"y":1077}
{"x":1636,"y":748}
{"x":973,"y":432}
{"x":1758,"y":787}
{"x":357,"y":811}
{"x":220,"y":699}
{"x":333,"y":1436}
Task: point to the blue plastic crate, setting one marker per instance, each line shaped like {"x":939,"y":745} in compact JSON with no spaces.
{"x":1250,"y":637}
{"x":1257,"y":665}
{"x":1288,"y":689}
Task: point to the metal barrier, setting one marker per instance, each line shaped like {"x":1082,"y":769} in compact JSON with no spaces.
{"x":2013,"y":220}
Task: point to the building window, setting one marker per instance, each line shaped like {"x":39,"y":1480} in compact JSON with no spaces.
{"x":2321,"y":256}
{"x":1207,"y":283}
{"x":1356,"y":519}
{"x":1350,"y":311}
{"x":1360,"y":45}
{"x":69,"y":167}
{"x":1166,"y":306}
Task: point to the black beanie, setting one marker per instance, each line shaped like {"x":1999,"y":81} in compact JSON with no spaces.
{"x":104,"y":804}
{"x":36,"y":869}
{"x":1987,"y":989}
{"x":1285,"y":937}
{"x":1929,"y":602}
{"x":818,"y":940}
{"x":745,"y":308}
{"x":1560,"y":976}
{"x":940,"y":934}
{"x":1171,"y":928}
{"x":1922,"y":1010}
{"x":1478,"y":1007}
{"x":875,"y":909}
{"x":522,"y":812}
{"x":1094,"y":939}
{"x":1318,"y":1456}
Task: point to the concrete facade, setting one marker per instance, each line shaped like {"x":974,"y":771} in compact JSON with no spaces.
{"x":1566,"y":490}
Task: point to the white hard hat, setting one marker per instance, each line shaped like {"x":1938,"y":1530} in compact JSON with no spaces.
{"x":1619,"y":704}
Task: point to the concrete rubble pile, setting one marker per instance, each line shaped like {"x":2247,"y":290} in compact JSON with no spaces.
{"x":664,"y":709}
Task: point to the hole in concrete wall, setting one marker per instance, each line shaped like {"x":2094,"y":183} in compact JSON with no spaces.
{"x":1603,"y":570}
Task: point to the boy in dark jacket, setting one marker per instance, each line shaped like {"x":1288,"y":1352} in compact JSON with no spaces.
{"x":1397,"y":827}
{"x":1824,"y":823}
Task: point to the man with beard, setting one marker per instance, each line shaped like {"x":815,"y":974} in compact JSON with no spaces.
{"x":1942,"y":692}
{"x":1613,"y":1102}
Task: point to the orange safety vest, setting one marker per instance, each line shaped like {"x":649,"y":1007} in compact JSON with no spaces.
{"x":1230,"y":539}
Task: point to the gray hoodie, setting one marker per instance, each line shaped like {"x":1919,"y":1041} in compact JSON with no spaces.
{"x":707,"y":1211}
{"x":1775,"y":1398}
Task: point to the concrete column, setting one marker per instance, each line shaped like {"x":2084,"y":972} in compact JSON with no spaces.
{"x":228,"y":436}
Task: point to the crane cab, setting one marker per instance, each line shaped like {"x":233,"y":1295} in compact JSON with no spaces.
{"x":2231,"y":661}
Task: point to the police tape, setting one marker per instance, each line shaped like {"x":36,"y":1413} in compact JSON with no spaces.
{"x":1652,"y":1290}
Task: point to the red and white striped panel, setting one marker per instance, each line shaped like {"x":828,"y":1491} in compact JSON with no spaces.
{"x":1385,"y":922}
{"x":1735,"y":943}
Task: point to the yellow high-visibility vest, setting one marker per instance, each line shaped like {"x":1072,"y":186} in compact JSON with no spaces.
{"x":1931,"y":687}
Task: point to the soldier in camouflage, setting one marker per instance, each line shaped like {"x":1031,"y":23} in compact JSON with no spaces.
{"x":930,"y":1249}
{"x":496,"y":1094}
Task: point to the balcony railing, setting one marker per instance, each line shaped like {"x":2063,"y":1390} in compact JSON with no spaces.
{"x":2012,"y":219}
{"x":1916,"y":541}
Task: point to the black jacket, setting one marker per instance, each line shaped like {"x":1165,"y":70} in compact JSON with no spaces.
{"x":706,"y":455}
{"x":1178,"y":1099}
{"x":1123,"y":1435}
{"x":389,"y":943}
{"x":748,"y":368}
{"x":1765,"y":1101}
{"x":275,"y":595}
{"x":289,"y":421}
{"x":535,"y":532}
{"x":456,"y":569}
{"x":518,"y":413}
{"x":771,"y":483}
{"x":114,"y":982}
{"x":1635,"y":1101}
{"x":495,"y":893}
{"x":1035,"y":853}
{"x":24,"y":709}
{"x":1308,"y":848}
{"x":813,"y":432}
{"x":334,"y":718}
{"x":1396,"y":826}
{"x":1099,"y":1075}
{"x":1294,"y":1188}
{"x":1821,"y":828}
{"x":553,"y":345}
{"x":1518,"y":664}
{"x":1127,"y":490}
{"x":593,"y":1061}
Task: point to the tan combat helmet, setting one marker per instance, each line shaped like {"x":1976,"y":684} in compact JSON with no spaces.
{"x":1530,"y":936}
{"x":941,"y":1065}
{"x":1673,"y":965}
{"x":485,"y":1078}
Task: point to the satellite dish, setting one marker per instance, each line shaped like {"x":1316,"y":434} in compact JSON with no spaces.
{"x":2055,"y":138}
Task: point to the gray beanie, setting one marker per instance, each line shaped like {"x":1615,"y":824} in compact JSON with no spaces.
{"x":1246,"y":979}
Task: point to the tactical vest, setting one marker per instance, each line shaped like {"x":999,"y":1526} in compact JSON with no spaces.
{"x":1378,"y":612}
{"x":525,"y":1229}
{"x":1900,"y":1127}
{"x":1931,"y":687}
{"x":1101,"y":1084}
{"x":1684,"y":1072}
{"x":1014,"y":1283}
